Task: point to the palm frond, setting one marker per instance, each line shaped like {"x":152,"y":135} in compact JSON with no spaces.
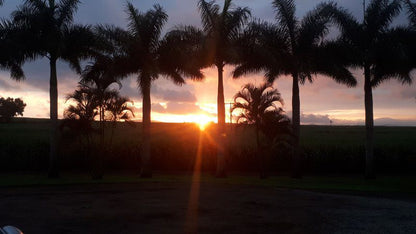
{"x":285,"y":14}
{"x":394,"y":57}
{"x":79,"y":42}
{"x":134,"y":17}
{"x":66,"y":11}
{"x":235,"y":21}
{"x":346,"y":22}
{"x":264,"y":50}
{"x":411,"y":11}
{"x":209,"y":14}
{"x":255,"y":101}
{"x":314,"y":26}
{"x":179,"y":52}
{"x":380,"y":14}
{"x":326,"y":60}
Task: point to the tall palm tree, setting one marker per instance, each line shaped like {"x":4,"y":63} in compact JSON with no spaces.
{"x":379,"y":49}
{"x":221,"y":29}
{"x":256,"y":104}
{"x":51,"y":34}
{"x":293,"y":47}
{"x":144,"y":53}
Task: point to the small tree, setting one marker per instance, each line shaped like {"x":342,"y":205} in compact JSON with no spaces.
{"x":89,"y":102}
{"x":10,"y":108}
{"x":258,"y":107}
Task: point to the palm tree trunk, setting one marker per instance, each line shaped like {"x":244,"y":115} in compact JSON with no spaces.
{"x":221,"y":125}
{"x":259,"y":152}
{"x":98,"y":169}
{"x":296,"y":170}
{"x":146,"y":169}
{"x":53,"y":129}
{"x":369,"y":125}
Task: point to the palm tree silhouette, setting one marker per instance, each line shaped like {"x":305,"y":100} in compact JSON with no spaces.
{"x":257,"y":106}
{"x":295,"y":48}
{"x":221,"y":29}
{"x":144,"y":53}
{"x":50,"y":33}
{"x":377,"y":48}
{"x":85,"y":104}
{"x":90,"y":101}
{"x":118,"y":108}
{"x":80,"y":114}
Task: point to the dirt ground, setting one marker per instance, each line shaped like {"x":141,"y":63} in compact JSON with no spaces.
{"x":211,"y":208}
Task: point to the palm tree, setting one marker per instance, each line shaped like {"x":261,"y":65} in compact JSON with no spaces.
{"x":80,"y":114}
{"x":142,"y":52}
{"x":258,"y":104}
{"x":90,"y":101}
{"x":51,"y":34}
{"x":295,"y":48}
{"x":85,"y":104}
{"x":117,"y":109}
{"x":221,"y":29}
{"x":377,"y":48}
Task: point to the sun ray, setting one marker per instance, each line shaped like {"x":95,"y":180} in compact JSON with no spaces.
{"x":191,"y":223}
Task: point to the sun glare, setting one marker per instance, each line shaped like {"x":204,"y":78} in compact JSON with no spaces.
{"x":202,"y":122}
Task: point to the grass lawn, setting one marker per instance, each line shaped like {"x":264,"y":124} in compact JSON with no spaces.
{"x":383,"y":185}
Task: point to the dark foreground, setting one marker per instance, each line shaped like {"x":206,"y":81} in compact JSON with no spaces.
{"x":170,"y":208}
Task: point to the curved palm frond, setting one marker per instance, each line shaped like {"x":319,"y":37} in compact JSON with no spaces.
{"x":66,"y":10}
{"x":79,"y":43}
{"x":257,"y":100}
{"x":285,"y":14}
{"x":265,"y":50}
{"x":118,"y":108}
{"x":411,"y":11}
{"x":380,"y":13}
{"x":179,"y":52}
{"x":393,"y":56}
{"x":314,"y":26}
{"x":328,"y":62}
{"x":209,"y":14}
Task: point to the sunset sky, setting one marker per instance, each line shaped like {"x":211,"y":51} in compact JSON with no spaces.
{"x":321,"y":101}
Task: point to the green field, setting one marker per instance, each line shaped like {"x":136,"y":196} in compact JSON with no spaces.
{"x":326,"y":149}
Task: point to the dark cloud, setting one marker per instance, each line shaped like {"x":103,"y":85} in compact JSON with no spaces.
{"x":394,"y":122}
{"x":171,"y":95}
{"x":315,"y":119}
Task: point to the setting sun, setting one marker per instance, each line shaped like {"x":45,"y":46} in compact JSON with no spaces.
{"x":202,"y":121}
